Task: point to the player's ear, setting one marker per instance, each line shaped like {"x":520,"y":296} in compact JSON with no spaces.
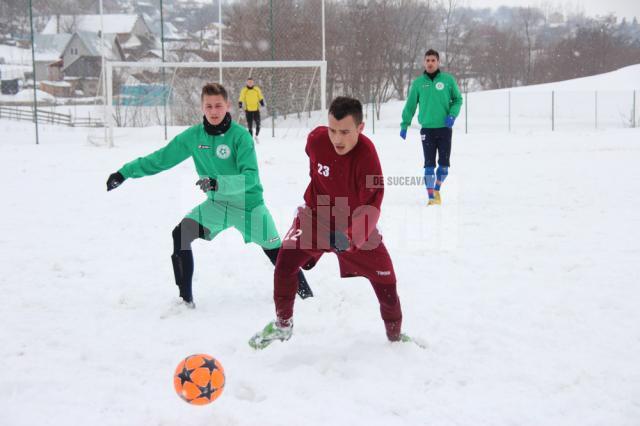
{"x":360,"y":127}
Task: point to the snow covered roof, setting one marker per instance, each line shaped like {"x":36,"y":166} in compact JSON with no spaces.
{"x":49,"y":47}
{"x":113,"y":23}
{"x":9,"y":72}
{"x":15,"y":55}
{"x":192,"y":57}
{"x":27,"y":96}
{"x":155,"y":54}
{"x":171,"y":32}
{"x":56,"y":83}
{"x":132,"y":43}
{"x":93,"y":44}
{"x":182,"y":45}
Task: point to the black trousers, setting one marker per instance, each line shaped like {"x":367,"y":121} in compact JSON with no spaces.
{"x":187,"y":231}
{"x":436,"y":141}
{"x":183,"y":235}
{"x":251,"y":117}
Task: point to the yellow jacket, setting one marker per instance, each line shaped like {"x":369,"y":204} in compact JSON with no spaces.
{"x":251,"y":99}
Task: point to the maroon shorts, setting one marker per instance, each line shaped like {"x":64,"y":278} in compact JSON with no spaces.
{"x":307,"y":240}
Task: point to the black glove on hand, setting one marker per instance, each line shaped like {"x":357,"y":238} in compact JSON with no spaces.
{"x":261,"y":102}
{"x":339,"y":241}
{"x":115,"y":180}
{"x":239,"y":105}
{"x":208,"y":184}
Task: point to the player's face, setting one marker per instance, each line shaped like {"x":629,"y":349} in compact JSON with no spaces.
{"x":431,"y":63}
{"x":344,"y":133}
{"x":249,"y":83}
{"x":214,"y":107}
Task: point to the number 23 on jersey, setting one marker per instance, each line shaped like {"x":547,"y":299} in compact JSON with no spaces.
{"x":323,"y":170}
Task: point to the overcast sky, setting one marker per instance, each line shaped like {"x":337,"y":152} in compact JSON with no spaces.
{"x":622,"y":8}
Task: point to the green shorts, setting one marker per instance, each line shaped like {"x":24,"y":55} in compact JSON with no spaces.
{"x":255,"y":225}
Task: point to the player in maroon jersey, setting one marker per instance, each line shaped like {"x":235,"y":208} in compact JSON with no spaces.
{"x":342,"y":207}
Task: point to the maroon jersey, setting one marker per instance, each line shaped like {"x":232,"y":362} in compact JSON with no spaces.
{"x":345,"y":192}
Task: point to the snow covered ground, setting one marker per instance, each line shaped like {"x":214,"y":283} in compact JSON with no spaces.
{"x":15,"y":55}
{"x":523,"y":284}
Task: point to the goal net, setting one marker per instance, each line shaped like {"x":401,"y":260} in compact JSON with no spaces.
{"x":141,"y":94}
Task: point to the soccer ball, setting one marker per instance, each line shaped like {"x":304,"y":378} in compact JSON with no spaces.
{"x":199,"y":379}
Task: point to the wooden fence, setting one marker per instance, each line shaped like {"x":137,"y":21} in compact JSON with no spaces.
{"x":48,"y":117}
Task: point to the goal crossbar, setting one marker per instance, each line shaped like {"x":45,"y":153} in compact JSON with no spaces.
{"x":111,"y":65}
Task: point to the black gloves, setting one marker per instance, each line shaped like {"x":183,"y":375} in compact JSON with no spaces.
{"x":338,"y":241}
{"x":239,"y":105}
{"x":208,"y":184}
{"x":115,"y":180}
{"x":261,"y":102}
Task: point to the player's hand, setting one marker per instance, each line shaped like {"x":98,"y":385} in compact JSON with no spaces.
{"x":449,"y":120}
{"x":403,"y":134}
{"x":115,"y":180}
{"x":339,"y":242}
{"x":207,"y":184}
{"x":239,"y":105}
{"x":262,"y":102}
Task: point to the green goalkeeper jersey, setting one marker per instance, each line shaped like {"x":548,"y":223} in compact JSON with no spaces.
{"x":230,"y":158}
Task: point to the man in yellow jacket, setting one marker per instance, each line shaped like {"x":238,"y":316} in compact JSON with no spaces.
{"x":251,"y":100}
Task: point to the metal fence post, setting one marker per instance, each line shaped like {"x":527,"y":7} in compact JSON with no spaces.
{"x":373,"y":116}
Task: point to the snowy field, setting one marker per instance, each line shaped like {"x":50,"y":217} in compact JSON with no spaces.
{"x":523,"y":284}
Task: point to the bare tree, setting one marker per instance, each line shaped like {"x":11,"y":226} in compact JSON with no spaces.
{"x":529,"y":18}
{"x":413,"y":26}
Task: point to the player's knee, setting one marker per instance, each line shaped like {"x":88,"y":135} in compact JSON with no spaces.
{"x":429,"y":170}
{"x":185,"y":233}
{"x":285,"y":266}
{"x":442,"y":170}
{"x":272,"y":254}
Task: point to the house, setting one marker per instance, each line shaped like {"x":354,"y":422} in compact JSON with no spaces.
{"x":48,"y":50}
{"x":82,"y":59}
{"x":132,"y":31}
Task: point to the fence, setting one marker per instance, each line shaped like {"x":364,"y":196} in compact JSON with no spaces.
{"x":489,"y":111}
{"x":521,"y":109}
{"x":48,"y":117}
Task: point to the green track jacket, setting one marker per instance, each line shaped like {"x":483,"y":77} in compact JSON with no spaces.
{"x":230,"y":158}
{"x":437,"y":99}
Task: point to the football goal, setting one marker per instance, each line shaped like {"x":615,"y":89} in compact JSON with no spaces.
{"x":141,"y":94}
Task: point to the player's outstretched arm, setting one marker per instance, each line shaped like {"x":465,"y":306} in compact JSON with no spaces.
{"x":163,"y":159}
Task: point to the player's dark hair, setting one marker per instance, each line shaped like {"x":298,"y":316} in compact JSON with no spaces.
{"x":211,"y":89}
{"x":432,"y":52}
{"x":343,"y":106}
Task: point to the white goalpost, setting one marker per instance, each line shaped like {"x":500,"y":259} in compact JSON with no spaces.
{"x":155,"y":93}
